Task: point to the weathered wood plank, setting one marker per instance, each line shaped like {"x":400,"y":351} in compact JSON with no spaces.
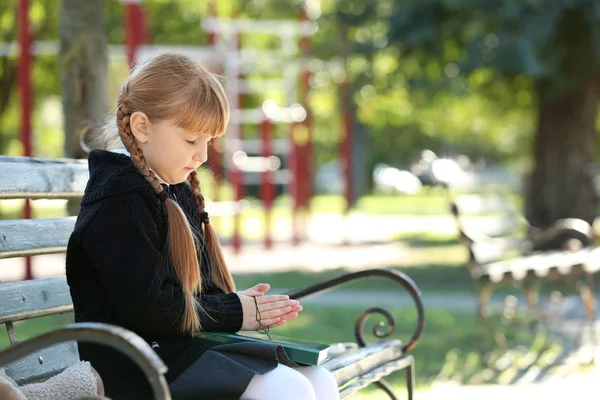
{"x":36,"y":298}
{"x":506,"y":225}
{"x":473,"y":204}
{"x":541,"y":264}
{"x":44,"y":363}
{"x":496,"y":249}
{"x":37,"y":178}
{"x":35,"y":236}
{"x":375,"y":375}
{"x":353,"y":364}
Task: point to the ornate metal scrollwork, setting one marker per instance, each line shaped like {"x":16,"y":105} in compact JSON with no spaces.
{"x":402,"y":279}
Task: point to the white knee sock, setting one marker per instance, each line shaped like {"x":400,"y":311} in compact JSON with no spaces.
{"x":323,"y":382}
{"x":283,"y":383}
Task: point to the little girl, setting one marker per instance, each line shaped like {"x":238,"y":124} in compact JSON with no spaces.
{"x":143,"y":254}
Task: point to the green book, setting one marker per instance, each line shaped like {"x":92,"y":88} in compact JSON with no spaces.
{"x":299,"y":351}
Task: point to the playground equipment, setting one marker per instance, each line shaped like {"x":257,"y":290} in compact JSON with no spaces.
{"x":273,"y":163}
{"x":225,"y":36}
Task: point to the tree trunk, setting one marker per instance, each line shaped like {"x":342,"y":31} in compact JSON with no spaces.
{"x":561,"y":184}
{"x":83,"y":68}
{"x":84,"y":72}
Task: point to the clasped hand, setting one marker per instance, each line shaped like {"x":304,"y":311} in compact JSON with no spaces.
{"x":275,"y":310}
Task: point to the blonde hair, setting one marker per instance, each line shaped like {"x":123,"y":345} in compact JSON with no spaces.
{"x":172,"y":86}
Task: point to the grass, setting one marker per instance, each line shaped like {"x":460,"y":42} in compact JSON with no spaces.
{"x":427,"y":203}
{"x":447,"y":350}
{"x":430,"y":277}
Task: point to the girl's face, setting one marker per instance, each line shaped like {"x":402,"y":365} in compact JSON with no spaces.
{"x":170,"y":151}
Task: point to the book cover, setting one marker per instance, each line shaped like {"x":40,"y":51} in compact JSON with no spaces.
{"x":300,"y":351}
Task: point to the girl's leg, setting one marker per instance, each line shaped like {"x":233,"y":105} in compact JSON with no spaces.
{"x":283,"y":383}
{"x":323,"y":382}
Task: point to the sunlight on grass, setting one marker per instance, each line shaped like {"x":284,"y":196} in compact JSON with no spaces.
{"x":447,"y":350}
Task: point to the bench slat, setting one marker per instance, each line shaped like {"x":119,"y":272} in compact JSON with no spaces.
{"x":34,"y":236}
{"x":35,"y":178}
{"x":495,"y":249}
{"x":375,"y":375}
{"x":477,"y":204}
{"x":44,"y":363}
{"x":36,"y":298}
{"x":490,"y":226}
{"x":354,"y":363}
{"x":540,"y":264}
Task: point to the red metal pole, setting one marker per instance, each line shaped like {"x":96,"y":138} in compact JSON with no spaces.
{"x":237,"y":178}
{"x":307,"y":148}
{"x":214,"y":156}
{"x":267,"y":187}
{"x":24,"y":81}
{"x":346,"y":145}
{"x":135,"y":29}
{"x":301,"y":154}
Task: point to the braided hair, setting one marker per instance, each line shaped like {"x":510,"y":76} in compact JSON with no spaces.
{"x":181,"y":239}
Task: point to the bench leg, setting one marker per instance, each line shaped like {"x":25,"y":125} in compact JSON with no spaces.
{"x":387,"y":388}
{"x":483,"y":322}
{"x":410,"y":379}
{"x":588,"y":298}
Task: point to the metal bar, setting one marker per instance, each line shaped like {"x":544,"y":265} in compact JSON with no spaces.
{"x":269,"y":26}
{"x":267,"y":189}
{"x":24,"y":78}
{"x":235,"y":137}
{"x":214,"y":156}
{"x":34,"y":314}
{"x":135,"y":29}
{"x":346,"y":143}
{"x":10,"y":329}
{"x":402,"y":279}
{"x":119,"y":338}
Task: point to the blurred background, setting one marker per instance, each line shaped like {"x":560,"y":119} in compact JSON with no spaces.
{"x":354,"y":123}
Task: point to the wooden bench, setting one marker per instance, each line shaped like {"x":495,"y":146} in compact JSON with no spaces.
{"x":504,"y":249}
{"x":353,"y":365}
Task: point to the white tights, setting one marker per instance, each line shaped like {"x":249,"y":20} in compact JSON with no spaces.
{"x":285,"y":383}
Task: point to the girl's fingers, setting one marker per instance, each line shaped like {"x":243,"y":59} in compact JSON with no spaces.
{"x":279,"y":312}
{"x":275,"y":313}
{"x":277,"y":304}
{"x":256,"y":290}
{"x":290,"y":315}
{"x":277,"y":324}
{"x":264,"y":299}
{"x":261,"y":287}
{"x":252,"y":293}
{"x":269,"y":321}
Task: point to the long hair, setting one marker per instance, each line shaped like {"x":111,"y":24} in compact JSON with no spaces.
{"x":174,"y":87}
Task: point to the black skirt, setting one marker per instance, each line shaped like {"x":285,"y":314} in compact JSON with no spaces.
{"x":197,"y":370}
{"x":223,"y":372}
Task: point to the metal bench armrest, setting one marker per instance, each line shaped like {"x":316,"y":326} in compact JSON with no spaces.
{"x":402,"y":279}
{"x":119,"y":338}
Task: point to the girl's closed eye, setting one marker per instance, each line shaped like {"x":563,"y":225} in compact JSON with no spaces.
{"x":192,"y":142}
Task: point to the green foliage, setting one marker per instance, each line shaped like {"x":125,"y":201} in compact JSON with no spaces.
{"x":413,"y":79}
{"x":555,"y":42}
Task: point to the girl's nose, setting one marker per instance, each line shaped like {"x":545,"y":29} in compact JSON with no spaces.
{"x":201,"y":157}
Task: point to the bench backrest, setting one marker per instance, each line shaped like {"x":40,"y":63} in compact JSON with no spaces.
{"x":39,"y":178}
{"x":489,"y":224}
{"x":31,"y":178}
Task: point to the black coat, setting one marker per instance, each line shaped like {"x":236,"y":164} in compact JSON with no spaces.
{"x":119,"y":272}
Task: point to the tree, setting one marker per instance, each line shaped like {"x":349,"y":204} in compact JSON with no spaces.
{"x":555,"y":45}
{"x":83,"y":67}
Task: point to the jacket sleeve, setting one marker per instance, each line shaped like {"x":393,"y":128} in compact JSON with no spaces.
{"x":123,"y":243}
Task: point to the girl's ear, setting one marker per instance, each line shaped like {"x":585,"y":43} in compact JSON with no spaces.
{"x":140,"y":123}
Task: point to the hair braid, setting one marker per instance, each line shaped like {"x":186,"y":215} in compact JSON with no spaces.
{"x":220,"y":273}
{"x":185,"y":261}
{"x":136,"y":153}
{"x":198,"y":196}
